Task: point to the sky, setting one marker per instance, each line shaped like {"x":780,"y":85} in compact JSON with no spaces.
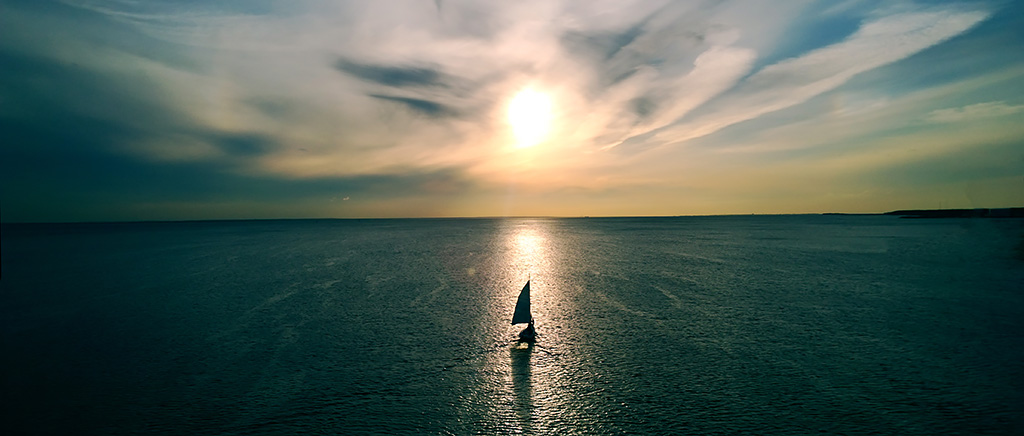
{"x":114,"y":110}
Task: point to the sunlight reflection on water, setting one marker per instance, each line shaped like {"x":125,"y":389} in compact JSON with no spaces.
{"x":533,"y":386}
{"x":527,"y":248}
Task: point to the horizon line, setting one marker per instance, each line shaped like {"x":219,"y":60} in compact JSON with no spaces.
{"x":200,"y":220}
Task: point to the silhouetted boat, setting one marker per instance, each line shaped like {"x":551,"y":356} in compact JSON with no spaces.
{"x":522,"y":315}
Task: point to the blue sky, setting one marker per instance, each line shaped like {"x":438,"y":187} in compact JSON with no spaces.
{"x":152,"y":110}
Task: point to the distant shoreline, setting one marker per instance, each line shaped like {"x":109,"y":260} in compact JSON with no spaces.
{"x":1008,"y":212}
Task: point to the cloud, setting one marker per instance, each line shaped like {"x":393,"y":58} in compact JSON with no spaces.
{"x":790,"y":82}
{"x":654,"y":70}
{"x":392,"y":75}
{"x":601,"y":45}
{"x":973,"y":112}
{"x":425,"y":107}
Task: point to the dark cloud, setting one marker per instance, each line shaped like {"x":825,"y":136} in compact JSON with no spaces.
{"x":601,"y":46}
{"x":242,"y":144}
{"x":273,"y":107}
{"x":395,"y":76}
{"x":643,"y":107}
{"x":72,"y":142}
{"x":425,"y":107}
{"x":70,"y":174}
{"x":62,"y":107}
{"x":613,"y":59}
{"x":43,"y":88}
{"x":66,"y":133}
{"x":412,"y":182}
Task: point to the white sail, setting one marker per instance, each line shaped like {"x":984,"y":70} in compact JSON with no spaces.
{"x":522,"y":314}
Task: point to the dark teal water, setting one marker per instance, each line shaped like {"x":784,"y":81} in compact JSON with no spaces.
{"x":701,"y":325}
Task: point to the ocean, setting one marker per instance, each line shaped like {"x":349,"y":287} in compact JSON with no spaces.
{"x":806,"y":324}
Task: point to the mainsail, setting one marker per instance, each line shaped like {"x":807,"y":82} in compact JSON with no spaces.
{"x":522,"y":314}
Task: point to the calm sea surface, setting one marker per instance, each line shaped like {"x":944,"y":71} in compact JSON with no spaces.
{"x":697,"y":325}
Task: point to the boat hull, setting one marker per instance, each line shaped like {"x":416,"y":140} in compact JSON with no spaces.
{"x":528,"y":335}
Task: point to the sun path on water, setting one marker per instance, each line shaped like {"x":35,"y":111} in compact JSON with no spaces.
{"x":529,"y":116}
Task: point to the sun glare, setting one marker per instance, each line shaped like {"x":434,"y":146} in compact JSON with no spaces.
{"x":529,"y":115}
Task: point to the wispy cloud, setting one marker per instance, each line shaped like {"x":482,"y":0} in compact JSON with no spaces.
{"x":973,"y":112}
{"x":426,"y":107}
{"x":392,"y":75}
{"x":878,"y":42}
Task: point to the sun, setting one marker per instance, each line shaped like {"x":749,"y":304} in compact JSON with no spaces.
{"x":529,"y":115}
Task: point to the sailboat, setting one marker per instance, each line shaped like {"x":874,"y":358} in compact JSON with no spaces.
{"x":522,"y":315}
